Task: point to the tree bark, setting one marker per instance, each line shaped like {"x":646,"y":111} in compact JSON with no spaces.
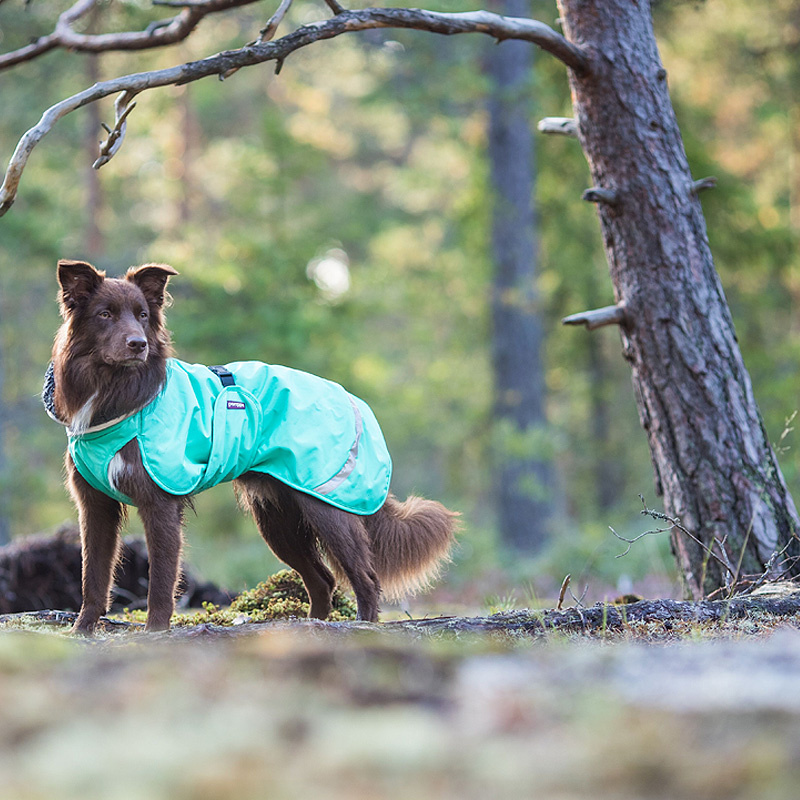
{"x":522,"y":476}
{"x":713,"y":460}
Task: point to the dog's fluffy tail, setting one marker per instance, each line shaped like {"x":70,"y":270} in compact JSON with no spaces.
{"x":410,"y":541}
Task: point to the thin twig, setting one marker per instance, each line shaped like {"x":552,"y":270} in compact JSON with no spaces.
{"x":579,"y":600}
{"x":122,"y":108}
{"x":724,"y":558}
{"x":676,"y":523}
{"x":736,"y":584}
{"x":181,"y":3}
{"x":564,"y":587}
{"x":266,"y":34}
{"x":735,"y":579}
{"x":631,"y":542}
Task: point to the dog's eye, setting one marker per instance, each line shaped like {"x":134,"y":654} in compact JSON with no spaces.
{"x":143,"y":315}
{"x":104,"y":314}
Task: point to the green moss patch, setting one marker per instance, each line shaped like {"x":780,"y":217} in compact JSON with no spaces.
{"x":283,"y":596}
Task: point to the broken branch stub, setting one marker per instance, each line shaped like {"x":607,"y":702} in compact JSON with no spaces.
{"x":122,"y":108}
{"x":703,"y":184}
{"x":558,"y":126}
{"x":598,"y":195}
{"x":597,"y":318}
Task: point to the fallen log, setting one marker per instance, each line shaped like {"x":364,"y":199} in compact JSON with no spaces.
{"x":773,"y":605}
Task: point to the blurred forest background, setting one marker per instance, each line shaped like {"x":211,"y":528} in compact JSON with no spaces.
{"x":337,"y":218}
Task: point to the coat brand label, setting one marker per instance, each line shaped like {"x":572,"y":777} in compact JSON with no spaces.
{"x":236,"y":405}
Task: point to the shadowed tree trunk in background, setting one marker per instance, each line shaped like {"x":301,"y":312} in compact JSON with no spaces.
{"x":522,"y":476}
{"x":607,"y":472}
{"x":189,"y":139}
{"x":713,"y":460}
{"x":5,"y":515}
{"x":94,"y":243}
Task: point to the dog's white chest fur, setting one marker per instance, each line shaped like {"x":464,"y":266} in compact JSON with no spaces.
{"x":83,"y":417}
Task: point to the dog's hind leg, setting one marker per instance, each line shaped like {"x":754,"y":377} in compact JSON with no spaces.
{"x":345,"y":540}
{"x":281,"y":525}
{"x":100,"y":519}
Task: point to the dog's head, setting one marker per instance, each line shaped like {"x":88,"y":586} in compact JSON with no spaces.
{"x":118,"y":321}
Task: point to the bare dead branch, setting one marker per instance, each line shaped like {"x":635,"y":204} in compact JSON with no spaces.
{"x":631,"y":542}
{"x":163,"y":32}
{"x":579,"y":600}
{"x":122,"y":107}
{"x":598,"y":195}
{"x":674,"y":522}
{"x":266,"y":34}
{"x":180,"y":3}
{"x":348,"y":21}
{"x":702,"y":185}
{"x":558,"y":126}
{"x":177,"y":28}
{"x":598,"y":317}
{"x":45,"y":43}
{"x":564,"y":587}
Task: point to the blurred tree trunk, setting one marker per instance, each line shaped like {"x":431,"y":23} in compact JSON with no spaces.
{"x":608,"y":474}
{"x":522,"y":475}
{"x":94,"y":243}
{"x":5,"y":515}
{"x":189,"y":140}
{"x":713,"y":460}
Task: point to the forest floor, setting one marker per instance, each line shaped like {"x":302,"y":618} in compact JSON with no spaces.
{"x":612,"y":707}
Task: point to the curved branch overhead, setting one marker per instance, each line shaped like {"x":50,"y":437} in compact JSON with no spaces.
{"x":164,"y":32}
{"x":258,"y":52}
{"x":177,"y":28}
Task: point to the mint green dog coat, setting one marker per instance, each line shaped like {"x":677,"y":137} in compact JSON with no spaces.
{"x":307,"y":432}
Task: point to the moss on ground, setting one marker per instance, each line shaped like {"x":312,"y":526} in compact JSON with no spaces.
{"x":283,"y":596}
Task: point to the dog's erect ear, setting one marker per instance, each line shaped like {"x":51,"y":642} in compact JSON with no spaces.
{"x":152,"y":280}
{"x":78,"y":281}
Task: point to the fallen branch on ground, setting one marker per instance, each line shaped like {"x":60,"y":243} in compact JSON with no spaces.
{"x":600,"y":619}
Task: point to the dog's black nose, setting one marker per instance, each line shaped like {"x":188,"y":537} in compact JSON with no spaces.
{"x":136,"y":344}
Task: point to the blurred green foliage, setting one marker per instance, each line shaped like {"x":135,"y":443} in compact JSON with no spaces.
{"x":370,"y":149}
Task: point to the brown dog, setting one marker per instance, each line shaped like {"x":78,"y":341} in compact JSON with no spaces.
{"x":111,"y":360}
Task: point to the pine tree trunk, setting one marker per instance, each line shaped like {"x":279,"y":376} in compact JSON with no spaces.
{"x":713,"y":460}
{"x":523,"y":484}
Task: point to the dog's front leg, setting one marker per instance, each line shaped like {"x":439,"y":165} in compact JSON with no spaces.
{"x":100,"y":519}
{"x":162,"y":526}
